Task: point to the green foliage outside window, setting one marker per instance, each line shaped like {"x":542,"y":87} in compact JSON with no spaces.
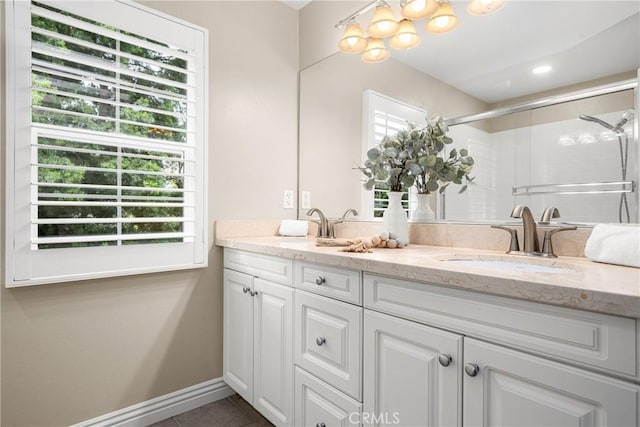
{"x":91,"y":99}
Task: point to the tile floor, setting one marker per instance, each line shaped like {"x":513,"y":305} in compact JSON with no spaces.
{"x":230,"y":412}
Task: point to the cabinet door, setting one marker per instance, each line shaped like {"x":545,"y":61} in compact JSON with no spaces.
{"x":515,"y":389}
{"x":273,"y":351}
{"x":238,"y":333}
{"x":405,"y":383}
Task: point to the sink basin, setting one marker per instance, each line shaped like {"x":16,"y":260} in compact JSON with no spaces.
{"x":508,"y":265}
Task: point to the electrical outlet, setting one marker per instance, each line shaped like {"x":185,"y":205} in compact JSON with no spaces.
{"x":288,"y":199}
{"x":306,"y":200}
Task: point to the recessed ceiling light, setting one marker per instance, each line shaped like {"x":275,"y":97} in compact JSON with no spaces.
{"x":542,"y":69}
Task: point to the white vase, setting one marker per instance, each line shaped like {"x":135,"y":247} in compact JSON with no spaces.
{"x":394,"y":218}
{"x":423,"y":211}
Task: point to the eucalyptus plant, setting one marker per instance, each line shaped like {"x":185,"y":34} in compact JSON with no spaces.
{"x":416,"y":157}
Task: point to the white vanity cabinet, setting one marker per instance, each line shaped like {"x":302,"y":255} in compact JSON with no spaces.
{"x":258,"y":336}
{"x":349,"y":348}
{"x":493,"y":385}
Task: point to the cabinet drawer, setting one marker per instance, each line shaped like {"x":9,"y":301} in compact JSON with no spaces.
{"x":600,"y":340}
{"x":274,"y":269}
{"x":317,"y":403}
{"x":336,"y":283}
{"x":328,"y":341}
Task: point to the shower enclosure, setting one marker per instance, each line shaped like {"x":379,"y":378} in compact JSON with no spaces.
{"x":577,"y":152}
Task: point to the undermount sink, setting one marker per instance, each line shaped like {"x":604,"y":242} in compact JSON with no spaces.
{"x":509,"y":264}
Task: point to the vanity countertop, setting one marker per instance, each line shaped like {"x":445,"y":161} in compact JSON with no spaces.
{"x":582,"y":284}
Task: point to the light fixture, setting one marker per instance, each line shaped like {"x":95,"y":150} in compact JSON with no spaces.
{"x":484,"y":7}
{"x":543,"y":69}
{"x":353,"y":39}
{"x":443,"y":20}
{"x":419,"y":9}
{"x":375,"y":51}
{"x":406,"y":37}
{"x":383,"y":24}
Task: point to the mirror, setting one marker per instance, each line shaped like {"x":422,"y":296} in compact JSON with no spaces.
{"x":333,"y":121}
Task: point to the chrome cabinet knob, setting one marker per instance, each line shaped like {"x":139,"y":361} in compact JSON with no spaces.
{"x":471,"y":369}
{"x":320,"y":280}
{"x":320,"y":425}
{"x":320,"y":341}
{"x":245,"y":289}
{"x":253,"y":293}
{"x":444,"y":359}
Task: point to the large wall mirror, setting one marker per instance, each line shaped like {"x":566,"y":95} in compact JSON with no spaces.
{"x":579,"y":156}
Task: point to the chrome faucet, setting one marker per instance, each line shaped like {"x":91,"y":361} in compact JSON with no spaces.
{"x":531,"y":244}
{"x":323,"y":224}
{"x":548,"y":214}
{"x":332,"y":224}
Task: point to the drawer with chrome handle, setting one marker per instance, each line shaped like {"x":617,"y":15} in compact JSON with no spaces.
{"x":318,"y":404}
{"x":338,"y":283}
{"x":328,"y":340}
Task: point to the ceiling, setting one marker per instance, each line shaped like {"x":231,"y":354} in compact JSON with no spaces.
{"x":492,"y":57}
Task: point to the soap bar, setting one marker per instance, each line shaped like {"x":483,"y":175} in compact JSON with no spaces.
{"x":293,"y":228}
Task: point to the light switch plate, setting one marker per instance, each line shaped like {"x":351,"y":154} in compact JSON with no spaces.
{"x":288,"y":199}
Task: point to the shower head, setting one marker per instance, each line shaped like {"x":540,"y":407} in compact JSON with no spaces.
{"x":626,"y":116}
{"x":597,"y":120}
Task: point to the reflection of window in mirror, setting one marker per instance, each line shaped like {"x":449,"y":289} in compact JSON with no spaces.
{"x":385,"y":116}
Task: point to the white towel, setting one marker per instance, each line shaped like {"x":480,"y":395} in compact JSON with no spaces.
{"x":291,"y":227}
{"x":614,"y":244}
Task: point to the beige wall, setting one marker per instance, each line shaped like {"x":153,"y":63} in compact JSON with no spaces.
{"x":74,"y":351}
{"x":331,"y":105}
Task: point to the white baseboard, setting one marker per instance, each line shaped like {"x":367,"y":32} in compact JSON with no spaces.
{"x":163,"y":407}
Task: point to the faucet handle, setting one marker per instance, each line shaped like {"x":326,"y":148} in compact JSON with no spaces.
{"x":548,"y":214}
{"x":547,"y":247}
{"x":514,"y":246}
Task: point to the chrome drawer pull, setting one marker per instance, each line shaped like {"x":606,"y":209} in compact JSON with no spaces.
{"x":320,"y":280}
{"x":320,"y":341}
{"x":245,"y":289}
{"x":321,"y":425}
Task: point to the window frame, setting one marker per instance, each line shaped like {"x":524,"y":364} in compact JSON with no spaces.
{"x":25,"y":266}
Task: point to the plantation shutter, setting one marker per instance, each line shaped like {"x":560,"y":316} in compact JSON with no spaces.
{"x":116,"y":141}
{"x":385,"y":117}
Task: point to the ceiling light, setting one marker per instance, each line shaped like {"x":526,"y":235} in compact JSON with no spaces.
{"x":406,"y":37}
{"x":353,"y":40}
{"x":375,"y":51}
{"x":543,"y":69}
{"x":383,"y":24}
{"x":444,"y":20}
{"x":484,"y":7}
{"x":419,"y":9}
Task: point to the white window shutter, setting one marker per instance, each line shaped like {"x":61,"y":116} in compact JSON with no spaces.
{"x":107,"y":143}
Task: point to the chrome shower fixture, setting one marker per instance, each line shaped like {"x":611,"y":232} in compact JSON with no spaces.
{"x":626,"y":116}
{"x":597,"y":120}
{"x":624,"y":153}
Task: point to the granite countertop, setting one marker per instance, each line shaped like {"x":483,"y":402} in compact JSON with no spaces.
{"x":576,"y":282}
